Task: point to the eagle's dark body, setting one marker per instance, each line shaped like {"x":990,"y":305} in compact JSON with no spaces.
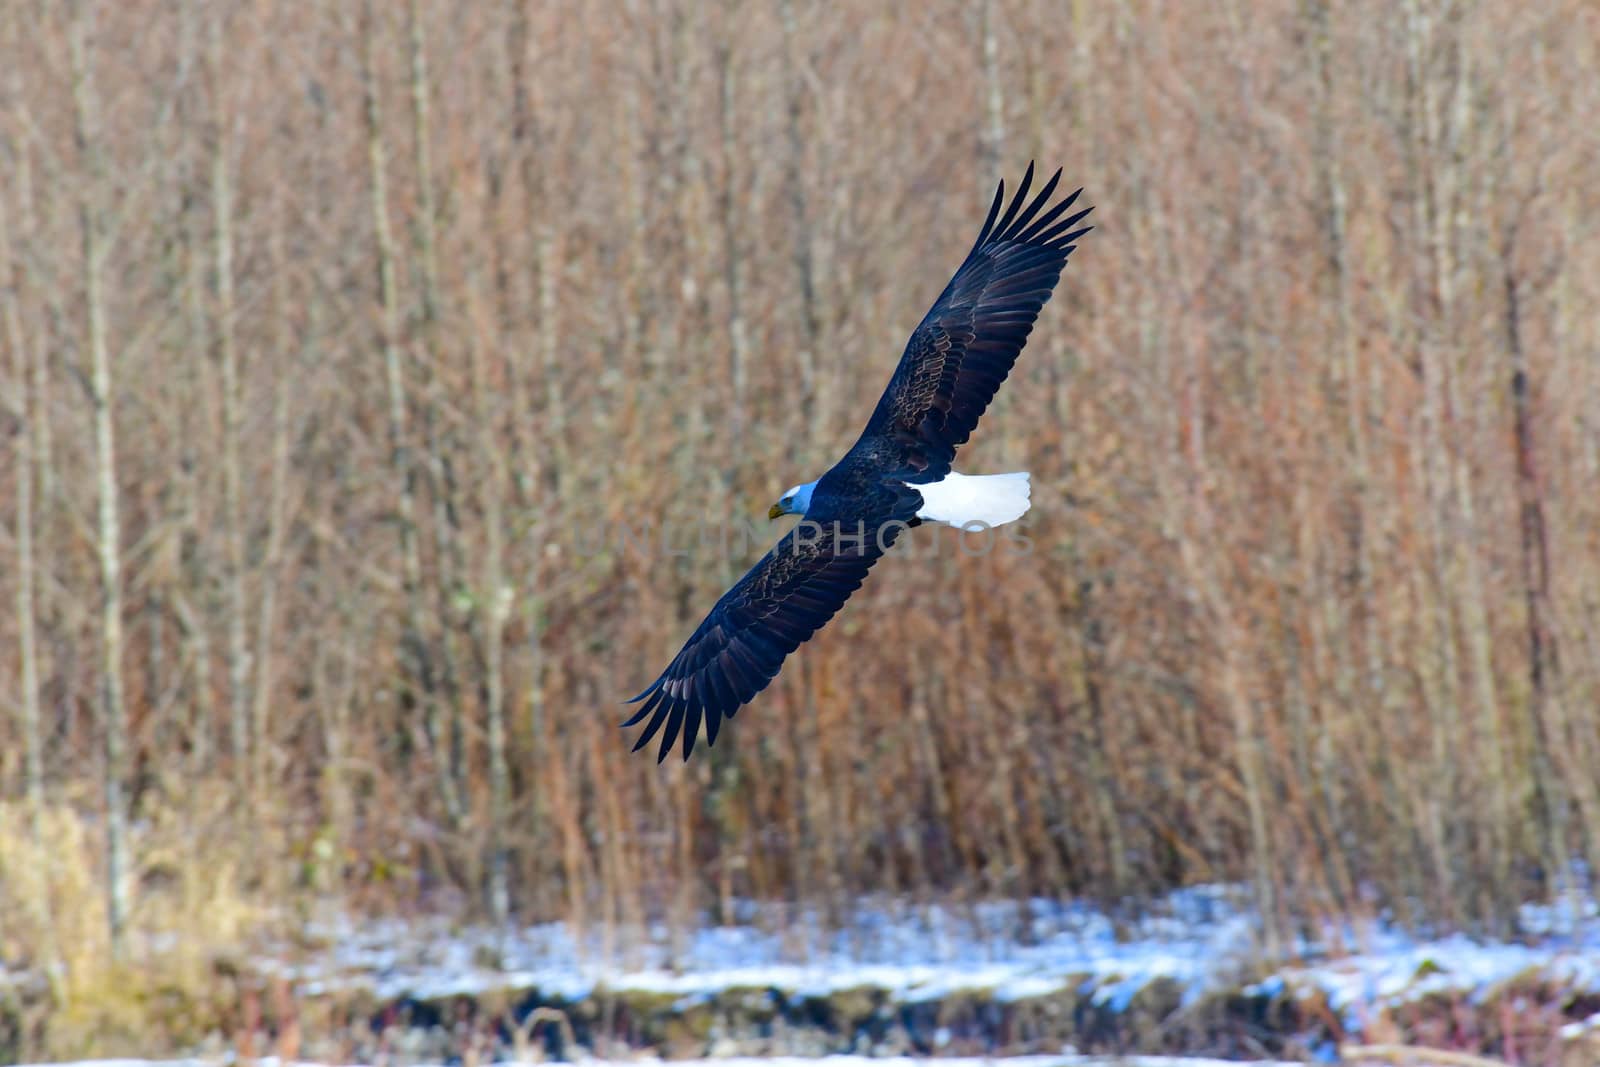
{"x":952,"y":366}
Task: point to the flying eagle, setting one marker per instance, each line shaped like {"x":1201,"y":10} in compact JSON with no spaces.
{"x":895,"y":475}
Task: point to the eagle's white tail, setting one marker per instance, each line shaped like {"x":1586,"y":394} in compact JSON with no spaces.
{"x":963,"y":499}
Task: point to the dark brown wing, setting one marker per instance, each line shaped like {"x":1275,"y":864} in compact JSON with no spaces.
{"x":784,"y":599}
{"x":966,"y":344}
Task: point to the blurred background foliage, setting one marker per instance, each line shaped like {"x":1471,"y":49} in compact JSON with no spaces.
{"x":339,"y":340}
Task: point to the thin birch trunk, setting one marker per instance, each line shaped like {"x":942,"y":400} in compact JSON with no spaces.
{"x":738,"y":342}
{"x":555,"y":403}
{"x":227,"y":353}
{"x":642,"y":300}
{"x":1358,"y":670}
{"x":20,"y":180}
{"x":113,"y":711}
{"x":1440,"y":679}
{"x":993,"y":136}
{"x":277,"y":495}
{"x":817,"y":409}
{"x":494,"y":603}
{"x":427,"y":211}
{"x":27,"y":414}
{"x":1544,"y":664}
{"x":1475,"y":607}
{"x":36,"y":484}
{"x":446,"y":534}
{"x":526,"y":477}
{"x":416,"y":641}
{"x":535,"y":182}
{"x":195,"y":557}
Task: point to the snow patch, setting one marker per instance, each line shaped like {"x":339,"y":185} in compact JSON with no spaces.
{"x":1012,"y":951}
{"x":1201,"y":939}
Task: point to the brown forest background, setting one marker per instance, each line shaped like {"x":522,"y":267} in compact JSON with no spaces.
{"x":335,"y":335}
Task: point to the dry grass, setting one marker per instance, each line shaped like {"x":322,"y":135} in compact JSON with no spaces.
{"x":1316,"y":582}
{"x":195,"y":917}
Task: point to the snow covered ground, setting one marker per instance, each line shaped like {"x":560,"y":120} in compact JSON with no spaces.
{"x":926,"y":959}
{"x":1562,"y":946}
{"x":1014,"y":951}
{"x":1202,"y":939}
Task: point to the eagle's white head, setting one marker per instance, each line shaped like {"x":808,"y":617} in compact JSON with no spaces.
{"x":794,"y":502}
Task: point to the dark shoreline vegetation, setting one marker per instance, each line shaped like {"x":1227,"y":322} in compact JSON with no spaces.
{"x":325,"y":326}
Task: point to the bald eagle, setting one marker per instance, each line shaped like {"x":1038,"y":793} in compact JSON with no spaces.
{"x":897,"y":474}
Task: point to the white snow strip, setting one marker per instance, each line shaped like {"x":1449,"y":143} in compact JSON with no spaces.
{"x":1198,"y":938}
{"x":1012,"y":951}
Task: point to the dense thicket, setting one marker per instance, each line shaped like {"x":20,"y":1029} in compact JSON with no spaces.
{"x":341,"y":341}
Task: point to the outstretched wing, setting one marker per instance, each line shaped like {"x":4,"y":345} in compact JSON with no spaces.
{"x":784,"y":599}
{"x":966,"y":344}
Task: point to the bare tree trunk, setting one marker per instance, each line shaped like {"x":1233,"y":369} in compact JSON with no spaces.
{"x":448,"y":557}
{"x":333,"y":716}
{"x":738,"y":341}
{"x":494,"y":603}
{"x":35,"y":483}
{"x":555,"y":403}
{"x":416,"y":641}
{"x":1439,"y":680}
{"x":1544,"y":662}
{"x":1358,"y":675}
{"x":525,"y":479}
{"x":642,"y":311}
{"x":227,"y":352}
{"x":108,"y":548}
{"x":1093,"y":670}
{"x":194,"y":553}
{"x":36,"y":369}
{"x":277,"y":495}
{"x":533,"y":171}
{"x":992,"y":150}
{"x":427,"y":212}
{"x":27,"y":415}
{"x":817,"y":408}
{"x":993,"y":137}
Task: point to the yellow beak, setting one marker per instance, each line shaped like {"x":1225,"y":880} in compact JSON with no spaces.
{"x":774,"y":511}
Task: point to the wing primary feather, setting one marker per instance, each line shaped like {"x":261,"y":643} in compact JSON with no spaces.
{"x":691,"y":726}
{"x":674,"y":724}
{"x":714,"y":710}
{"x":1016,"y":201}
{"x":647,"y":709}
{"x":652,"y":687}
{"x":663,"y":713}
{"x":756,"y":677}
{"x":742,"y":686}
{"x":994,"y":212}
{"x":1053,"y":235}
{"x":1074,"y":236}
{"x":727,"y":695}
{"x":1038,"y":202}
{"x":1043,"y":221}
